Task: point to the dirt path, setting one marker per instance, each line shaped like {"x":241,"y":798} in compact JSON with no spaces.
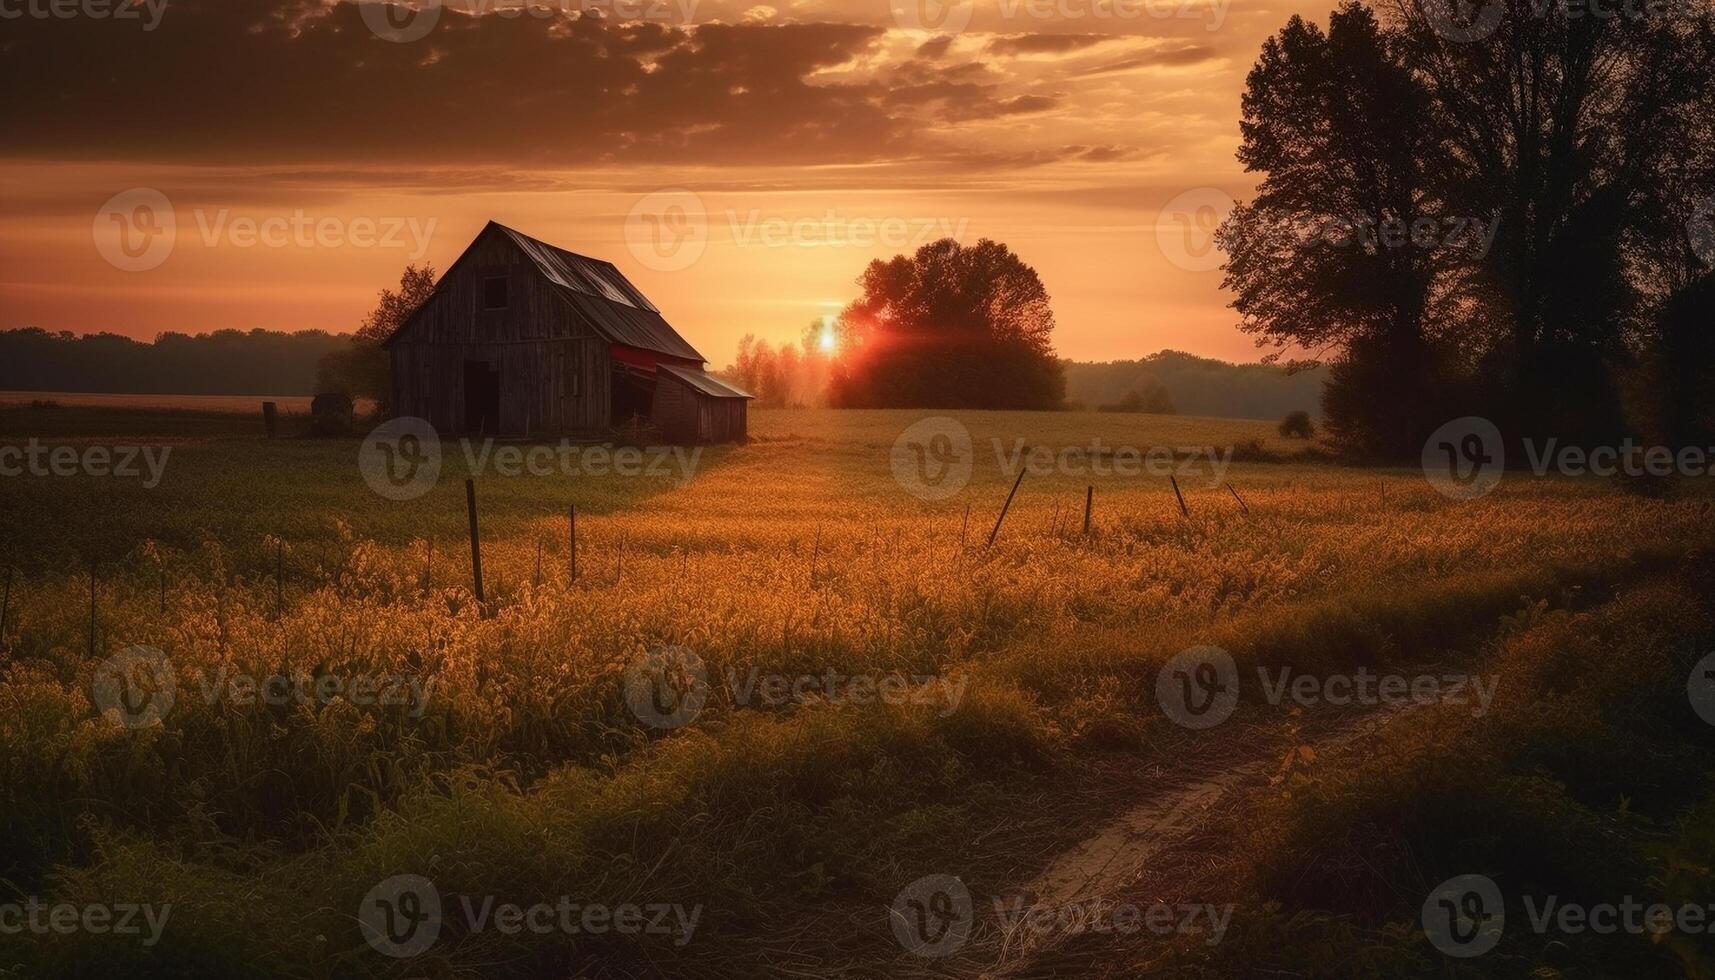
{"x":1167,"y":831}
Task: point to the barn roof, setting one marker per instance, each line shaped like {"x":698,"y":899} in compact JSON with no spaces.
{"x":599,"y":293}
{"x":705,"y":383}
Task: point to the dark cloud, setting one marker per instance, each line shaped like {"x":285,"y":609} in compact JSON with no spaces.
{"x":1045,"y":43}
{"x":935,"y":47}
{"x":289,"y":82}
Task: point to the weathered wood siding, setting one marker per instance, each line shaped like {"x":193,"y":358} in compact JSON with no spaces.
{"x":686,"y":416}
{"x":555,"y":373}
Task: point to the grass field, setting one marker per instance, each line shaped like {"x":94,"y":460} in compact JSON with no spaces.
{"x":516,"y":766}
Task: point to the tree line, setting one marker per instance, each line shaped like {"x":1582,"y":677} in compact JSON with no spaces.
{"x":225,"y":362}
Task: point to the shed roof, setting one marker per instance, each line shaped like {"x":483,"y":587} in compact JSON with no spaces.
{"x":598,"y":292}
{"x":704,"y":383}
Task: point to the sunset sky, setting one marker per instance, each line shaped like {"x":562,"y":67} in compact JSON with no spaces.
{"x":740,"y":162}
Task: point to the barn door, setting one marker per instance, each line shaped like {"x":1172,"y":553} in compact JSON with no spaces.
{"x":481,"y":398}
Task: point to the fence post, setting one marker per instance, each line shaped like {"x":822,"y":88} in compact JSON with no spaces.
{"x":475,"y":538}
{"x":572,"y":531}
{"x":92,"y":608}
{"x":1182,"y":508}
{"x":1008,"y":505}
{"x":1089,"y":500}
{"x":269,"y":420}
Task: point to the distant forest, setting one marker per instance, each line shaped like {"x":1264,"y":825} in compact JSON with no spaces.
{"x":1191,"y":385}
{"x":225,"y":362}
{"x":268,"y":362}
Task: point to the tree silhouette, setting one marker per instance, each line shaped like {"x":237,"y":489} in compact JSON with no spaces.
{"x":951,"y":326}
{"x":1546,"y":157}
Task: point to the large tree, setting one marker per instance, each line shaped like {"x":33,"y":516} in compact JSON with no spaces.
{"x":952,"y":326}
{"x":1568,"y":142}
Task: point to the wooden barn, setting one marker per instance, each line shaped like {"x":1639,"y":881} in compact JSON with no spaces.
{"x":520,"y":338}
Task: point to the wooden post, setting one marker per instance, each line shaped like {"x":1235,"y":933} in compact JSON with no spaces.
{"x":269,"y":418}
{"x":1089,"y":500}
{"x":964,"y":524}
{"x":161,"y":566}
{"x":279,"y":576}
{"x":537,"y":581}
{"x":815,"y":552}
{"x":1243,"y":508}
{"x":429,"y":567}
{"x":572,"y":533}
{"x":619,"y":567}
{"x":1008,"y":505}
{"x":475,"y":538}
{"x":1176,"y":493}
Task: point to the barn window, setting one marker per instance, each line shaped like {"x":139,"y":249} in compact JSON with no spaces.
{"x":494,"y":293}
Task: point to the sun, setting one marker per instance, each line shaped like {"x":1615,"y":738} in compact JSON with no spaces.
{"x":829,"y":341}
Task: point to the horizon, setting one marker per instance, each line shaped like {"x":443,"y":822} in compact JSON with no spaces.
{"x":764,"y":157}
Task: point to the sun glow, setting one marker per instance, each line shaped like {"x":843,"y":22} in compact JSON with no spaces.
{"x":829,"y":340}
